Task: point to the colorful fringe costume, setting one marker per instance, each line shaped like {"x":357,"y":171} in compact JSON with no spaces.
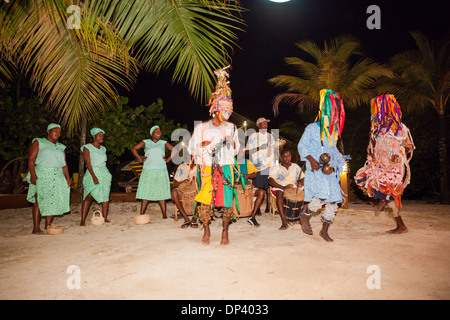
{"x":321,"y":137}
{"x":216,"y":160}
{"x":386,"y":172}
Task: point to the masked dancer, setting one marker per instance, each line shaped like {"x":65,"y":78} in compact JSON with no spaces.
{"x":214,"y":145}
{"x":317,"y":147}
{"x":386,"y":172}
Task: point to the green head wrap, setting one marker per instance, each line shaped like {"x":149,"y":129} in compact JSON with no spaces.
{"x":153,"y":129}
{"x":94,"y":131}
{"x":53,"y":125}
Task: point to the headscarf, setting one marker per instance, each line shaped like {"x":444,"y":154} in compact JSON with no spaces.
{"x":52,"y":126}
{"x":153,"y":129}
{"x":94,"y":131}
{"x":331,"y":105}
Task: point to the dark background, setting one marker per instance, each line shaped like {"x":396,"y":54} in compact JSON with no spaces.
{"x":269,"y":37}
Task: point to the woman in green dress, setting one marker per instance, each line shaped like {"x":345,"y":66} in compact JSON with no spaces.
{"x":154,"y":184}
{"x":97,"y":179}
{"x":49,"y":178}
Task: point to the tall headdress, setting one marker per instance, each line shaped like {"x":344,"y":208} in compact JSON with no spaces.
{"x":382,"y":107}
{"x":331,"y":105}
{"x":220,"y":100}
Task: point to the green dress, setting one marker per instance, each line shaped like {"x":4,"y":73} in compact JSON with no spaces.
{"x":100,"y":192}
{"x":53,"y":193}
{"x":154,"y":183}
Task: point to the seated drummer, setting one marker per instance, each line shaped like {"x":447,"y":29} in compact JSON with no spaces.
{"x":283,"y":176}
{"x":183,"y":175}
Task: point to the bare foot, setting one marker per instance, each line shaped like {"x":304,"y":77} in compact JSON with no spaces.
{"x":205,"y":240}
{"x":225,"y":242}
{"x":206,"y":236}
{"x":325,"y":236}
{"x":306,"y":227}
{"x":37,"y":231}
{"x":283,"y":227}
{"x":398,"y":230}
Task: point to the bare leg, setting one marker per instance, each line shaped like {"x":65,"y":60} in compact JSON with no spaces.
{"x":162,"y":205}
{"x":304,"y":220}
{"x":206,"y":234}
{"x":267,"y":194}
{"x":280,"y":206}
{"x":401,"y":227}
{"x":144,"y":205}
{"x":105,"y":208}
{"x":48,"y":221}
{"x":259,"y":199}
{"x":324,"y":232}
{"x":179,"y":204}
{"x":36,"y":217}
{"x":85,"y":208}
{"x":225,"y":241}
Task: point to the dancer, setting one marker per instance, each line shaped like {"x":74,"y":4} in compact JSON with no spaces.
{"x":319,"y":141}
{"x":49,"y":179}
{"x":214,"y":144}
{"x":97,"y":180}
{"x":154,"y":183}
{"x":386,"y":172}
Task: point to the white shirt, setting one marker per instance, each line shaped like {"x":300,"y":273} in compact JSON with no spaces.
{"x":284,"y":176}
{"x":264,"y":158}
{"x":206,"y":131}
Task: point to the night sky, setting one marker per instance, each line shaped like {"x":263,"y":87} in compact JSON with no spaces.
{"x":269,"y":37}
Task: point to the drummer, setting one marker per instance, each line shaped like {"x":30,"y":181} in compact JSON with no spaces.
{"x":185,"y":173}
{"x":283,"y":176}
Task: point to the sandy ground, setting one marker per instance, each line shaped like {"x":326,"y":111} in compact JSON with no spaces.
{"x":121,"y":260}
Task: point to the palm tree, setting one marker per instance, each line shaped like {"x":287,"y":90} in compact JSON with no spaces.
{"x":331,"y":67}
{"x":77,"y":70}
{"x":423,"y":81}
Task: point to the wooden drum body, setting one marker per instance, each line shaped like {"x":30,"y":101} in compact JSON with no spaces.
{"x":245,"y":200}
{"x":293,"y":201}
{"x":188,"y":191}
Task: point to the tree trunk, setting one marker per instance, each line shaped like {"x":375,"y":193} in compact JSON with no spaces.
{"x":81,"y":160}
{"x":443,"y":162}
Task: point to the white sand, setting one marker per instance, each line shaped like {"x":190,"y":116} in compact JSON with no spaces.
{"x":160,"y":260}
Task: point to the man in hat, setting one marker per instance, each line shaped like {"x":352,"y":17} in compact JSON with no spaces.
{"x":214,"y":145}
{"x":263,"y":154}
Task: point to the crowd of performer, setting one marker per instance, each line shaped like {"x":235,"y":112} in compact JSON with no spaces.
{"x":213,"y":182}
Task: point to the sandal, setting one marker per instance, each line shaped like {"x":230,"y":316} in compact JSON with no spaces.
{"x":194,"y":225}
{"x":185,"y":225}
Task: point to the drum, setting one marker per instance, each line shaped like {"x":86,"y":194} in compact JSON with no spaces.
{"x":294,"y":194}
{"x":245,"y":200}
{"x":293,"y":201}
{"x":188,"y":191}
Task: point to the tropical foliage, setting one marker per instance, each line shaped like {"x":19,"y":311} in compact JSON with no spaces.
{"x":334,"y":66}
{"x":423,"y":82}
{"x":77,"y":52}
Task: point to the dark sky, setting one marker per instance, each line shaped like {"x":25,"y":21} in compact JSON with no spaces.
{"x":272,"y":29}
